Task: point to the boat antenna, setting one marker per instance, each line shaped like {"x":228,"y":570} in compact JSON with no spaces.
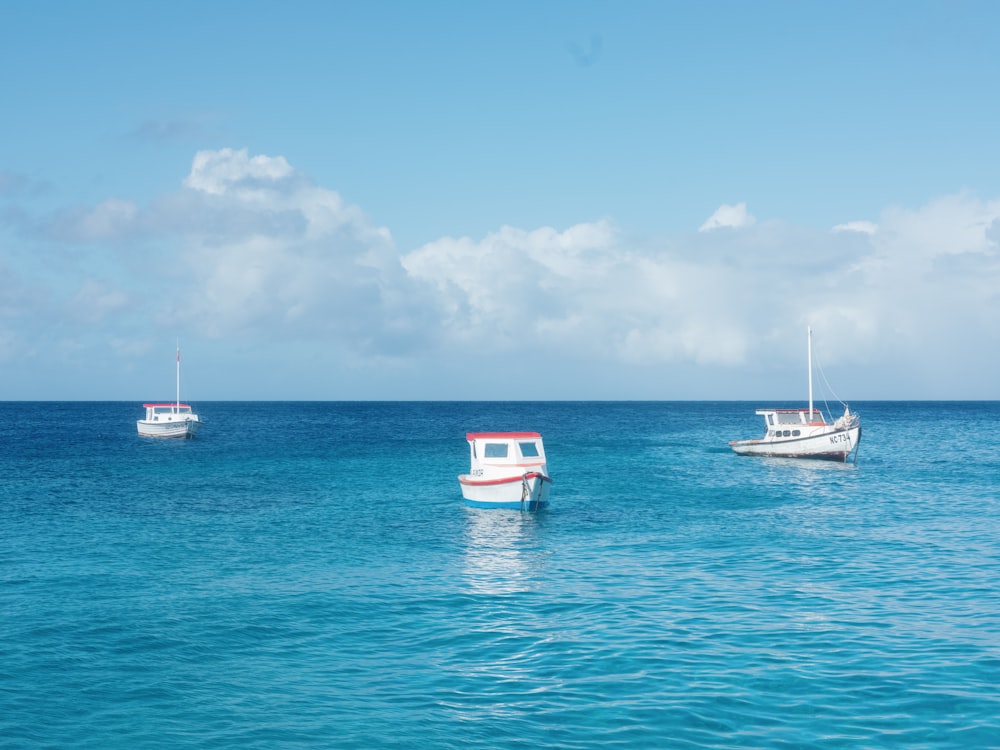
{"x":809,"y":338}
{"x":178,"y":376}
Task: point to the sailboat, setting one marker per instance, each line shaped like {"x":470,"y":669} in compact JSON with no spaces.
{"x":805,"y":433}
{"x":170,"y":420}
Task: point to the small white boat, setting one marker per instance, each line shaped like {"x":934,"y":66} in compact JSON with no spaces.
{"x":508,"y":471}
{"x":174,"y":420}
{"x":804,"y":433}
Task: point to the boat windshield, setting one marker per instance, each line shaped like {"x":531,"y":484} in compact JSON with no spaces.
{"x":799,"y":417}
{"x":789,"y":417}
{"x":172,"y":410}
{"x":495,"y":450}
{"x":529,"y":450}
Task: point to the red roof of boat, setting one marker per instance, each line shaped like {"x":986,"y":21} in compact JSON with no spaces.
{"x":500,"y":435}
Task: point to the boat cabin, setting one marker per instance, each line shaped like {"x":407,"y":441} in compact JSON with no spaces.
{"x":495,"y":452}
{"x":789,"y":422}
{"x":167,"y":412}
{"x":774,"y":417}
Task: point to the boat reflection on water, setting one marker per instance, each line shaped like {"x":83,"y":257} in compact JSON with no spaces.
{"x":808,"y":470}
{"x":502,"y":552}
{"x":794,"y":478}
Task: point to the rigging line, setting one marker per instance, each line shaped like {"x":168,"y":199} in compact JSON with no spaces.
{"x":819,"y":367}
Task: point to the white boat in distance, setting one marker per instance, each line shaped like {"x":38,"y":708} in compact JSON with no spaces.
{"x":804,"y":433}
{"x":174,"y":420}
{"x":507,"y":471}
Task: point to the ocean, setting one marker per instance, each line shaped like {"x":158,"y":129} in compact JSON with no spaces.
{"x":305,"y":575}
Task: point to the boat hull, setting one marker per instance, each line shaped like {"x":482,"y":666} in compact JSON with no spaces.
{"x":519,"y":492}
{"x":179,"y":428}
{"x":835,"y":444}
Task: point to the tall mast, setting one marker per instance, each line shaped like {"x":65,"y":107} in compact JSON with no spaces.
{"x":809,"y":337}
{"x":178,"y":376}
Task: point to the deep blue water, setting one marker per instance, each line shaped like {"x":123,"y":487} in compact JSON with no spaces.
{"x":306,"y":575}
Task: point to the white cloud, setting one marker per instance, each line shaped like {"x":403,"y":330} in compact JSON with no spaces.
{"x":583,"y":291}
{"x":498,"y":286}
{"x":863,"y":227}
{"x":728,"y":216}
{"x":591,"y":294}
{"x":947,"y":226}
{"x":249,"y":249}
{"x":279,"y":255}
{"x":228,"y":170}
{"x":248,"y":246}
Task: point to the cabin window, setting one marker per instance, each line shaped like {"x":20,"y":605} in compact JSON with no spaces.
{"x":792,"y":417}
{"x":529,"y":450}
{"x":787,"y":433}
{"x":796,"y":433}
{"x":770,"y":419}
{"x":172,"y":410}
{"x":495,"y":450}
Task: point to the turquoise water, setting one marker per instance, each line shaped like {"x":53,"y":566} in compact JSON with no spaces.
{"x":306,"y":575}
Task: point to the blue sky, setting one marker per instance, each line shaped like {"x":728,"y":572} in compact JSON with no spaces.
{"x":581,"y":200}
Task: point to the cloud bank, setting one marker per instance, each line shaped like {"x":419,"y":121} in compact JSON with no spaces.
{"x":249,"y":250}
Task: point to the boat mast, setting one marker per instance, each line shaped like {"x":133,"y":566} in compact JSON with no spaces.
{"x":178,"y":376}
{"x":809,"y":340}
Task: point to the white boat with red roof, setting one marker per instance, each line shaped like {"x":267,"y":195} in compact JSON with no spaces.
{"x":508,"y":470}
{"x":170,"y":420}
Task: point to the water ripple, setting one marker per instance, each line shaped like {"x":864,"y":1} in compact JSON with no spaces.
{"x":321,"y":585}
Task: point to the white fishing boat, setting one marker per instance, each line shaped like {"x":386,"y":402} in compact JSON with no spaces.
{"x":170,"y":420}
{"x":805,"y":433}
{"x":507,"y":471}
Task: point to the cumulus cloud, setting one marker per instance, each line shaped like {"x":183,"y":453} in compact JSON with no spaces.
{"x":948,"y":226}
{"x":246,"y":246}
{"x":591,"y":292}
{"x":284,"y":257}
{"x":497,"y":286}
{"x":733,"y":217}
{"x":249,"y":248}
{"x":230,"y":171}
{"x":863,"y":227}
{"x":581,"y":291}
